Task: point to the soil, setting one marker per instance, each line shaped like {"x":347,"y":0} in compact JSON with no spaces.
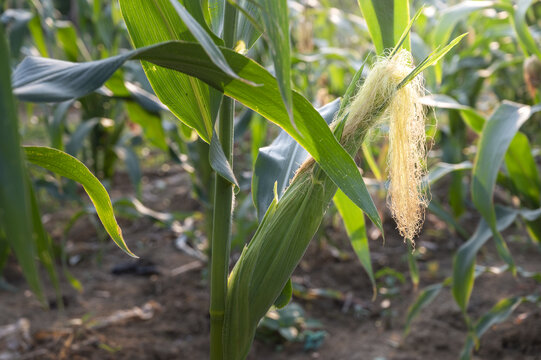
{"x":162,"y":312}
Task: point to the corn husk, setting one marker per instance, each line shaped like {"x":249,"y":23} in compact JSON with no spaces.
{"x":281,"y":239}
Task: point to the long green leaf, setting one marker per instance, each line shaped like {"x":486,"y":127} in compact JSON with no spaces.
{"x":523,"y":172}
{"x":274,"y":15}
{"x":15,"y":214}
{"x":65,"y":165}
{"x":495,"y":139}
{"x":430,"y":60}
{"x":386,"y":20}
{"x":464,"y":259}
{"x":452,"y":15}
{"x":39,"y":78}
{"x":518,"y":19}
{"x":498,"y":314}
{"x":472,"y":118}
{"x":204,"y":38}
{"x":186,"y":97}
{"x":426,"y":297}
{"x":355,"y":227}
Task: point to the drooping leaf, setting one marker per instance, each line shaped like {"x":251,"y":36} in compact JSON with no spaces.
{"x":65,"y":165}
{"x":204,"y":39}
{"x":311,"y":130}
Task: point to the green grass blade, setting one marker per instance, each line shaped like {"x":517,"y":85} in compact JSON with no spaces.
{"x":65,"y":165}
{"x":498,"y":314}
{"x":431,"y":59}
{"x":464,"y":259}
{"x":424,"y":299}
{"x":386,"y":20}
{"x":15,"y":211}
{"x":353,"y":218}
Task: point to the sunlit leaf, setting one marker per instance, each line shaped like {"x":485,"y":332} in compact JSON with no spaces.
{"x":67,"y":166}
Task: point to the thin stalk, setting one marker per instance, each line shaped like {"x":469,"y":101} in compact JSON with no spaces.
{"x":223,"y":209}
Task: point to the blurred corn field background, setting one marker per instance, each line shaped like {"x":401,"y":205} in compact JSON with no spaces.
{"x":242,"y":156}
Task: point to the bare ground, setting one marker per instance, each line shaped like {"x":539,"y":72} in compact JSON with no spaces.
{"x":164,"y":316}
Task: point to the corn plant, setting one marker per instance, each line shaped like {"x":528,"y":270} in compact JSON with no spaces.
{"x":194,"y":58}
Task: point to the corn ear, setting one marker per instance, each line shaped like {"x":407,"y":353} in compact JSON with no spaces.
{"x":281,"y":239}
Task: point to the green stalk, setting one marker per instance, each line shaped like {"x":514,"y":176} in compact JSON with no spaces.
{"x":223,"y":209}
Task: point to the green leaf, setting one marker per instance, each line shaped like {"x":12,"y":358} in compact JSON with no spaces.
{"x":311,"y":130}
{"x":274,"y":15}
{"x":472,"y":118}
{"x":130,"y":159}
{"x":67,"y":38}
{"x":186,"y":97}
{"x":424,"y":299}
{"x":386,"y":20}
{"x":525,"y":39}
{"x":15,"y":210}
{"x":441,"y":169}
{"x":218,"y":161}
{"x":77,"y":138}
{"x":496,"y":137}
{"x":248,"y":28}
{"x":435,"y":208}
{"x":150,"y":123}
{"x":353,"y":218}
{"x":43,"y":241}
{"x":452,"y":15}
{"x":412,"y":264}
{"x":34,"y":26}
{"x":65,"y":165}
{"x":285,"y":296}
{"x":213,"y":11}
{"x":523,"y":172}
{"x":464,"y":259}
{"x":430,"y":60}
{"x":203,"y":38}
{"x":498,"y":314}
